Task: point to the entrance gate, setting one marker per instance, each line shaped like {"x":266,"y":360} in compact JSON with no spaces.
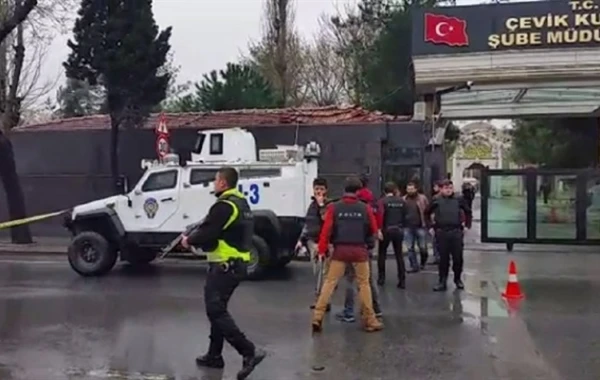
{"x":540,"y":206}
{"x":509,"y":60}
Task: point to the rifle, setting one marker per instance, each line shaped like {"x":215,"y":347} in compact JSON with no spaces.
{"x":320,"y":269}
{"x":188,"y":230}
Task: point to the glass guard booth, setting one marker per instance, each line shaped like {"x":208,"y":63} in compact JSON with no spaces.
{"x":539,"y":206}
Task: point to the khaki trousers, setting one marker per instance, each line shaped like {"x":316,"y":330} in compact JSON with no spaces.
{"x":334,"y":274}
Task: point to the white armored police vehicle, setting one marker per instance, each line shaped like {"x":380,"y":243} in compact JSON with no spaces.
{"x":175,"y":193}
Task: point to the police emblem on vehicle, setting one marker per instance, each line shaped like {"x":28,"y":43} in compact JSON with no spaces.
{"x":150,"y":207}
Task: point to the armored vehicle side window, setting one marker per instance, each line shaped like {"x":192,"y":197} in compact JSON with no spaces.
{"x":258,"y":173}
{"x":216,"y":143}
{"x":199,"y":143}
{"x":199,"y":176}
{"x":160,"y":181}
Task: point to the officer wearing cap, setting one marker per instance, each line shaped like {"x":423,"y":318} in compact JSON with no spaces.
{"x":391,"y":219}
{"x":450,"y":212}
{"x":226,"y":236}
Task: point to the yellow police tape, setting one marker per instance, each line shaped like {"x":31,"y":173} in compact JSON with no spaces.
{"x":31,"y":219}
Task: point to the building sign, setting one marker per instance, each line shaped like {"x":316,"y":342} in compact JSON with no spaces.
{"x":477,"y":152}
{"x":551,"y":24}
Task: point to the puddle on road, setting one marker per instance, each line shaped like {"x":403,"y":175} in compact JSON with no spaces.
{"x":109,"y":374}
{"x":475,"y":309}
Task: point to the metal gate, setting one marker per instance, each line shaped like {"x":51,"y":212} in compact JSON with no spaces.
{"x":540,"y":206}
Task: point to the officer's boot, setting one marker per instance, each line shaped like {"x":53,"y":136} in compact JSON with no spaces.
{"x":381,"y":279}
{"x":402,"y":283}
{"x":210,"y":361}
{"x":424,"y":257}
{"x":250,"y":362}
{"x":458,"y":282}
{"x":441,"y":286}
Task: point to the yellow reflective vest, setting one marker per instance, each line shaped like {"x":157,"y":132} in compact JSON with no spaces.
{"x":235,"y":240}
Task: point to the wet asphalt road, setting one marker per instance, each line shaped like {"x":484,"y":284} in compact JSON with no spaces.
{"x":150,"y":325}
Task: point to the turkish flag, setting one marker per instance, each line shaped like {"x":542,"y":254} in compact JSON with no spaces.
{"x":445,"y":30}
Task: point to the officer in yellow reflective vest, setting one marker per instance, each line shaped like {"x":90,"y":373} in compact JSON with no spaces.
{"x":226,"y":236}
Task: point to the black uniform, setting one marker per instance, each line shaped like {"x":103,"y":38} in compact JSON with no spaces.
{"x":224,"y":275}
{"x":449,"y":215}
{"x":393,"y":209}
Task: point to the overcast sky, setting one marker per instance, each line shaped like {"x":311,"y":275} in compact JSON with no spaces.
{"x":209,"y":33}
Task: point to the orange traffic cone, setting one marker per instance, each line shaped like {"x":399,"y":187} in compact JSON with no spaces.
{"x":513,"y":289}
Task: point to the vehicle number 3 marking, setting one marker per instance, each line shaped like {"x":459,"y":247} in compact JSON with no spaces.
{"x":253,"y":193}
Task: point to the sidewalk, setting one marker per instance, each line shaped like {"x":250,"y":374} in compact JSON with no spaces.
{"x":41,"y":245}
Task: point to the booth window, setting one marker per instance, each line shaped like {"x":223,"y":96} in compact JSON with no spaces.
{"x":216,"y":143}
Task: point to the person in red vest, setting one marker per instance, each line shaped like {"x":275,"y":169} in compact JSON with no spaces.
{"x":351,"y":227}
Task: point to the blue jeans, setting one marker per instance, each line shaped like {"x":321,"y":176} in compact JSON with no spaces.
{"x":349,"y":299}
{"x":412,"y":237}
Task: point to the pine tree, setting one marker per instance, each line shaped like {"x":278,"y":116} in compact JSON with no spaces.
{"x":117,"y":44}
{"x":78,"y":98}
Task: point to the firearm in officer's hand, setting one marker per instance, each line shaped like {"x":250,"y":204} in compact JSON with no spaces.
{"x":188,"y":230}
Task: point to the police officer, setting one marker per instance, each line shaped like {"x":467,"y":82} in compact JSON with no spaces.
{"x":449,"y":213}
{"x":226,"y":236}
{"x":351,"y":227}
{"x":391,"y":218}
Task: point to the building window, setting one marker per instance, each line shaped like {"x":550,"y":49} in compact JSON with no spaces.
{"x":160,"y":181}
{"x":216,"y":143}
{"x":259,"y":173}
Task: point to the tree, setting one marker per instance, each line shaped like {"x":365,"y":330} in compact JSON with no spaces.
{"x":374,"y":42}
{"x":13,"y":14}
{"x":176,"y":92}
{"x":323,"y":72}
{"x":117,"y":44}
{"x":236,"y":87}
{"x":555,"y":143}
{"x":278,"y":56}
{"x":77,"y":98}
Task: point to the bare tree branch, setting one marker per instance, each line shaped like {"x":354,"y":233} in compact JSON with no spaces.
{"x":323,"y":72}
{"x":21,"y":11}
{"x":11,"y":109}
{"x":278,"y":55}
{"x":21,"y":85}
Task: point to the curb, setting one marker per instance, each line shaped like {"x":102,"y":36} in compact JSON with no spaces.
{"x":31,"y":249}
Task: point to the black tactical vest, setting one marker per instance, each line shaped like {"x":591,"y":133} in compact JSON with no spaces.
{"x":351,"y":223}
{"x":448,"y":212}
{"x":393,"y":211}
{"x":314,"y":220}
{"x":239,"y":233}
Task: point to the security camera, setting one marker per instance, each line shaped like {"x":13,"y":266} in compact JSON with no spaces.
{"x":469,"y":84}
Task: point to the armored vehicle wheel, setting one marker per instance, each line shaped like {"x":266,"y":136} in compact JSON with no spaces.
{"x":90,"y":254}
{"x":281,"y":263}
{"x":259,"y":258}
{"x":139,"y":256}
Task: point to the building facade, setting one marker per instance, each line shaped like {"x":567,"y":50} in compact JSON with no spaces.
{"x":66,"y":162}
